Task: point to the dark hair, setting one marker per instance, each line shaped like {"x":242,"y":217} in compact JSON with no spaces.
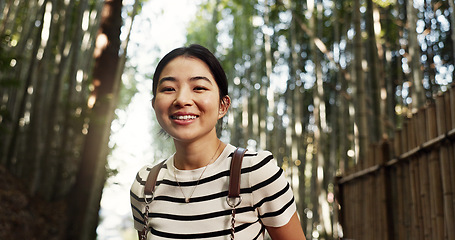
{"x":196,"y":51}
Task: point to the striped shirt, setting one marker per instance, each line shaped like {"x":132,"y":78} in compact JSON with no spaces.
{"x":267,"y":199}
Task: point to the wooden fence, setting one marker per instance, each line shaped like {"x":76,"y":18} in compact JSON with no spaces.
{"x":405,"y":189}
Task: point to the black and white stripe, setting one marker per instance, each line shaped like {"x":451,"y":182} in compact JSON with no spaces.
{"x":267,"y":200}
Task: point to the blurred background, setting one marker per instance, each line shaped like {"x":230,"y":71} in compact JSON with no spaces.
{"x":355,"y":99}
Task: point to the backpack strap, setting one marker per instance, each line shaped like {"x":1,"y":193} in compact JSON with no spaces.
{"x":149,"y":190}
{"x":233,"y":199}
{"x":234,"y":177}
{"x":150,"y":183}
{"x":235,"y":173}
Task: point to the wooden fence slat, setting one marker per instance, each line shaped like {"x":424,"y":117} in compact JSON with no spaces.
{"x":376,"y":195}
{"x":415,"y":206}
{"x":450,"y":114}
{"x":437,"y":209}
{"x":413,"y":180}
{"x":370,"y":227}
{"x":420,"y":123}
{"x":452,"y":104}
{"x":424,"y":196}
{"x":448,"y":195}
{"x":445,"y":171}
{"x":384,"y":193}
{"x":401,"y":202}
{"x":451,"y":156}
{"x":393,"y":203}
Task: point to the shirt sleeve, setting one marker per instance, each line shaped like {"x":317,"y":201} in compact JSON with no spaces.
{"x":137,"y":198}
{"x":272,"y":194}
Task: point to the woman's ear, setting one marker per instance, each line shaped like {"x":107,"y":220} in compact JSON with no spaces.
{"x":225,"y":103}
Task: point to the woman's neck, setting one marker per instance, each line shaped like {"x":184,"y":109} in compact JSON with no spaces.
{"x":197,"y":154}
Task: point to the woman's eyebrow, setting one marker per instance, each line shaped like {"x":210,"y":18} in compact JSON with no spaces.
{"x":200,"y":78}
{"x":166,"y":79}
{"x":196,"y":78}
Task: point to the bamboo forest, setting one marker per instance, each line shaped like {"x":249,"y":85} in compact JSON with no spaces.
{"x":354,"y":98}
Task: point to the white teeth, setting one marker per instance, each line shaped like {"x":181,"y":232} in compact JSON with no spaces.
{"x":185,"y":117}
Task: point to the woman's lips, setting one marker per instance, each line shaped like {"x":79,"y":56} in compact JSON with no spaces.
{"x":184,"y":117}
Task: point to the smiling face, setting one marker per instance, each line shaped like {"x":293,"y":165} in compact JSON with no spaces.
{"x":187,"y":101}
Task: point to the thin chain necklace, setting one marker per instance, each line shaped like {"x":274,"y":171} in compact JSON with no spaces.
{"x":187,"y":199}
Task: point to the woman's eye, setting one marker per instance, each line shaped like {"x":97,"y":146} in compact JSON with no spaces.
{"x":167,"y":89}
{"x":200,"y":88}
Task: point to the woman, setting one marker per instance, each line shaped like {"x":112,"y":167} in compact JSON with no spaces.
{"x":190,"y":95}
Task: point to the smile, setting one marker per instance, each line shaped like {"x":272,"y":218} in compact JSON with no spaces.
{"x":184,"y":117}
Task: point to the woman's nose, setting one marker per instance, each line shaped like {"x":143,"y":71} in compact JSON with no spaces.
{"x":183,"y":98}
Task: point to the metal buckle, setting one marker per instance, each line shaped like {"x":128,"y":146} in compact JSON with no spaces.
{"x":151,"y":196}
{"x":233,"y":201}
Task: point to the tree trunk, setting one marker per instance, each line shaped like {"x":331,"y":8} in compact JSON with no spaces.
{"x":13,"y":141}
{"x":91,"y":176}
{"x":416,"y":76}
{"x":361,"y":109}
{"x":374,"y":69}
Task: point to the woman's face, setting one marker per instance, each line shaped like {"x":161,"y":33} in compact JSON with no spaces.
{"x":187,"y":103}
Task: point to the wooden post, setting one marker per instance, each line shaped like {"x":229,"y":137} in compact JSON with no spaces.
{"x":452,"y":104}
{"x":437,"y":203}
{"x":450,"y":125}
{"x":382,"y":189}
{"x":445,"y":171}
{"x":424,"y":175}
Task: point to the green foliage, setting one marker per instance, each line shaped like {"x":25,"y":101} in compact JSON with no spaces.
{"x":200,"y":30}
{"x":385,"y":3}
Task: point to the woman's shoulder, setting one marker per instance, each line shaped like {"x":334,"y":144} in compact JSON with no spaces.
{"x":255,"y":157}
{"x":259,"y":155}
{"x":143,"y":172}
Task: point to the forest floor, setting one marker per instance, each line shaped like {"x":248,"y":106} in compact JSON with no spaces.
{"x":26,"y":217}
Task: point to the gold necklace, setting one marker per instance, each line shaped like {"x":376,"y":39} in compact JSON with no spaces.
{"x":187,"y":199}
